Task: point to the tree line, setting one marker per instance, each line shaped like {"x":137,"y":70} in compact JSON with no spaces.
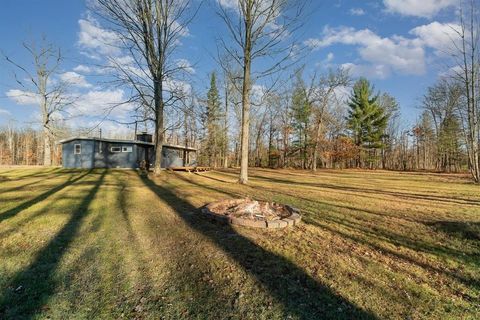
{"x":307,"y":121}
{"x":327,"y":124}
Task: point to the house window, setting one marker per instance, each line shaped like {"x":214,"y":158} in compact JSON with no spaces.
{"x":116,"y":149}
{"x":77,"y":149}
{"x":127,"y":149}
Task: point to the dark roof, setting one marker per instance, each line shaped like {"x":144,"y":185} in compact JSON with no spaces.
{"x":170,"y":146}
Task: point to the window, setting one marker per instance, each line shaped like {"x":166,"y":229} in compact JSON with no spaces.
{"x":116,"y":149}
{"x":127,"y":149}
{"x":77,"y":149}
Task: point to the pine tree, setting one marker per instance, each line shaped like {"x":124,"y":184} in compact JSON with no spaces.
{"x":366,"y":119}
{"x":449,"y":143}
{"x":213,"y":139}
{"x":301,"y":114}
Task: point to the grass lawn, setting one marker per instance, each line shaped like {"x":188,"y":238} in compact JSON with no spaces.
{"x":112,"y":244}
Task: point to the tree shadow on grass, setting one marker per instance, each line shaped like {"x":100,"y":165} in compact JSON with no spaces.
{"x":19,"y":187}
{"x":14,"y":211}
{"x":458,"y":229}
{"x":190,"y":181}
{"x":32,"y":287}
{"x":300,"y":295}
{"x":43,"y":172}
{"x":405,"y":195}
{"x":469,"y":231}
{"x":185,"y":283}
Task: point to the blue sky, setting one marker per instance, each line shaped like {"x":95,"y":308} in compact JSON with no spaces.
{"x":398,"y":44}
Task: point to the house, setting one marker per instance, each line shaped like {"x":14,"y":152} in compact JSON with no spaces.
{"x":83,"y":152}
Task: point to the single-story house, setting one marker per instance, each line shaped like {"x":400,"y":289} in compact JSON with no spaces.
{"x":85,"y":152}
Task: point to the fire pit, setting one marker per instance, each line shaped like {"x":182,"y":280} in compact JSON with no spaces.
{"x":252,"y":213}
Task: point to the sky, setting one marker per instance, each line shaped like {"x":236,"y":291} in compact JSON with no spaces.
{"x":400,"y":45}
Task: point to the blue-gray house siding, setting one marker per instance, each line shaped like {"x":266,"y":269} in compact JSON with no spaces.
{"x":99,"y":153}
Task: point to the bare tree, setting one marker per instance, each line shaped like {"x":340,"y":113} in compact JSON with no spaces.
{"x":150,"y":33}
{"x":320,"y":96}
{"x":39,"y":83}
{"x":468,"y":59}
{"x":258,"y":29}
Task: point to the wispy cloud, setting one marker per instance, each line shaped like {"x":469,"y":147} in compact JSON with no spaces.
{"x":74,"y":79}
{"x":5,"y":112}
{"x":418,"y":8}
{"x":380,"y":57}
{"x":357,"y":12}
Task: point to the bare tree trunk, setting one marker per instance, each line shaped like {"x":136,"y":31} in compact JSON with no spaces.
{"x":243,"y":179}
{"x":315,"y":145}
{"x":11,"y":146}
{"x":285,"y":147}
{"x":250,"y":28}
{"x":305,"y":147}
{"x":225,"y":125}
{"x":159,"y":127}
{"x":469,"y":76}
{"x":150,"y":33}
{"x":47,"y":148}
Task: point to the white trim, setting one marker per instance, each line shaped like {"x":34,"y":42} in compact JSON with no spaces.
{"x":119,"y":149}
{"x":79,"y":145}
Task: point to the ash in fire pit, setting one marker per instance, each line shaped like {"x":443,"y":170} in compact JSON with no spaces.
{"x":252,"y":213}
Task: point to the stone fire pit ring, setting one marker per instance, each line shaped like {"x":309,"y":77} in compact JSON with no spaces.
{"x":252,"y":213}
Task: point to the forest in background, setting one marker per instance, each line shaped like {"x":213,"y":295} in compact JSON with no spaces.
{"x":308,"y":120}
{"x":289,"y":127}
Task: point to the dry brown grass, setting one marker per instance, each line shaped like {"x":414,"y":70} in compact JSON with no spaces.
{"x":107,"y":244}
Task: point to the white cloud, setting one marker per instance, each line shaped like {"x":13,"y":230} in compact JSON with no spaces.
{"x":98,"y":103}
{"x":418,"y":8}
{"x":23,"y":97}
{"x":357,"y":12}
{"x":439,"y":36}
{"x":382,"y":56}
{"x":229,"y":4}
{"x":90,"y":109}
{"x":367,"y":71}
{"x":95,"y":40}
{"x":456,"y":71}
{"x":179,"y":86}
{"x":330,"y":57}
{"x":82,"y":68}
{"x":183,"y":31}
{"x":395,"y":53}
{"x":4,"y":112}
{"x":272,"y":27}
{"x":185,"y":65}
{"x":75,"y":79}
{"x":327,"y":62}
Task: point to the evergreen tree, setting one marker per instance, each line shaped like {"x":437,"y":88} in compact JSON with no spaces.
{"x":449,"y":143}
{"x":366,"y":119}
{"x":301,"y":114}
{"x":213,"y":139}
